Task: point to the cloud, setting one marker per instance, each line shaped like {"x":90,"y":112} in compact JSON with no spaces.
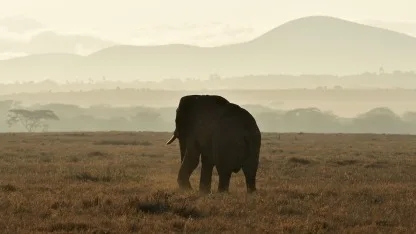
{"x":19,"y":37}
{"x":9,"y":55}
{"x":20,"y":25}
{"x":210,"y":34}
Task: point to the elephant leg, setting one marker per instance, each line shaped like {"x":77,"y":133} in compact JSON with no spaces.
{"x":206,"y":174}
{"x":206,"y":178}
{"x":250,"y":170}
{"x":189,"y":164}
{"x":224,"y":181}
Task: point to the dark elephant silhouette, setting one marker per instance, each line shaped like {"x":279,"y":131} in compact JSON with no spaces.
{"x":224,"y":134}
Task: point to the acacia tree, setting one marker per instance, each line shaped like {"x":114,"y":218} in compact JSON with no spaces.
{"x":31,"y":120}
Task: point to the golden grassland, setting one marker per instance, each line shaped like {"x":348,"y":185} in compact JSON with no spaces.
{"x":122,"y":182}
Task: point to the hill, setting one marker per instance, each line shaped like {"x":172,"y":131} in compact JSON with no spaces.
{"x":315,"y":44}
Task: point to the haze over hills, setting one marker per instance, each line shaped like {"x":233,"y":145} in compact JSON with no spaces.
{"x":51,"y":42}
{"x":22,"y":36}
{"x":315,"y":44}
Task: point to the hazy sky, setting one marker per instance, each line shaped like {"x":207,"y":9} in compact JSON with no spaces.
{"x":127,"y":13}
{"x":124,"y":20}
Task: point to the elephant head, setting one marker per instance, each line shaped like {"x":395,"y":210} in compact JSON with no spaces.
{"x":196,"y":117}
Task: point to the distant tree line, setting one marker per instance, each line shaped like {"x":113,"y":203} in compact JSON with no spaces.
{"x":380,"y":79}
{"x":62,"y":117}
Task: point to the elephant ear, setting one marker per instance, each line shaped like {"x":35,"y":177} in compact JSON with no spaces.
{"x":183,"y":113}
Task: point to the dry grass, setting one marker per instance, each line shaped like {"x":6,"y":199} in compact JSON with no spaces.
{"x":126,"y":182}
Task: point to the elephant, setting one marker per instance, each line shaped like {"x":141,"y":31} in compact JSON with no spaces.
{"x":197,"y":121}
{"x":196,"y":116}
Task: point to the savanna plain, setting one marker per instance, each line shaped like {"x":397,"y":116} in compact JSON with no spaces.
{"x":122,"y":182}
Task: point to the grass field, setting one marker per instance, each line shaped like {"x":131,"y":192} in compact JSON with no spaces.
{"x":126,"y":182}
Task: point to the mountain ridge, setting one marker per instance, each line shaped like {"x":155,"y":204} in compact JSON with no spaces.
{"x":312,"y":44}
{"x":266,"y":34}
